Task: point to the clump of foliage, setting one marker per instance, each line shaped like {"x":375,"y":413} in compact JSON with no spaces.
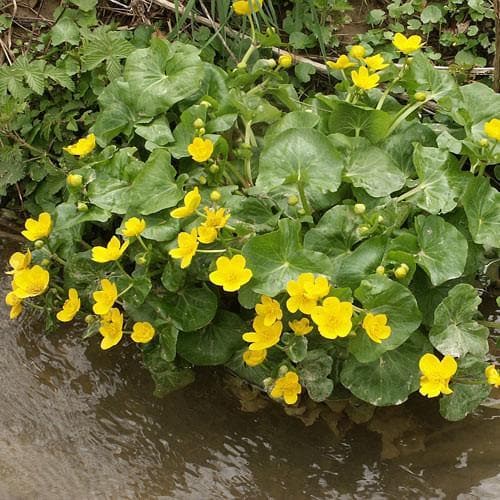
{"x":324,"y":246}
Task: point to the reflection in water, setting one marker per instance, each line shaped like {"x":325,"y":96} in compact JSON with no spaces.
{"x":77,"y":422}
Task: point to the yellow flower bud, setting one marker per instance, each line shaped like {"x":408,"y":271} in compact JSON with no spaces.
{"x":484,"y":143}
{"x":39,"y":244}
{"x":74,"y":180}
{"x":359,"y":208}
{"x":357,"y":51}
{"x":401,"y":271}
{"x":82,"y":207}
{"x":214,"y":168}
{"x":215,"y":196}
{"x":198,"y":123}
{"x":285,"y":61}
{"x":420,"y":96}
{"x":201,"y":131}
{"x":45,"y":262}
{"x":203,"y":179}
{"x":380,"y":270}
{"x":380,"y":219}
{"x":90,"y":318}
{"x":293,"y":200}
{"x":283,"y":370}
{"x":205,"y":104}
{"x":362,"y":230}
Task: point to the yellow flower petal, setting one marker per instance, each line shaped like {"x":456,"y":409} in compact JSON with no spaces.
{"x":83,"y":147}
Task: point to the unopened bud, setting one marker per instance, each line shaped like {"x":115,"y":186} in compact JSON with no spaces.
{"x":141,"y":259}
{"x":82,"y":207}
{"x":285,"y":61}
{"x":205,"y":104}
{"x":215,"y":196}
{"x":401,"y":271}
{"x":198,"y":123}
{"x":201,"y":131}
{"x":293,"y":199}
{"x":214,"y":168}
{"x":271,"y":63}
{"x":241,"y":65}
{"x":301,"y":211}
{"x":74,"y":180}
{"x":39,"y":244}
{"x":362,"y":230}
{"x":420,"y":96}
{"x":90,"y":318}
{"x":359,"y":208}
{"x":380,"y":219}
{"x":380,"y":270}
{"x":282,"y":371}
{"x":45,"y":262}
{"x":267,"y":383}
{"x":484,"y":143}
{"x":203,"y":179}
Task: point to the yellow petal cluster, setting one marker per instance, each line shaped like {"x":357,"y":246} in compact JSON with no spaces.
{"x":407,"y":45}
{"x":187,"y":244}
{"x":269,"y":309}
{"x":36,"y":229}
{"x":201,"y":149}
{"x":376,"y":327}
{"x":113,"y":251}
{"x":134,"y":227}
{"x":301,"y":326}
{"x":30,"y":282}
{"x":492,"y":376}
{"x":70,"y":307}
{"x":263,"y":337}
{"x":357,"y":51}
{"x":215,"y":221}
{"x":15,"y":303}
{"x":19,"y":261}
{"x":363,"y":79}
{"x":492,"y":129}
{"x":142,"y":332}
{"x":436,"y":375}
{"x":246,"y":7}
{"x":305,"y":292}
{"x":231,"y":273}
{"x":343,"y":62}
{"x":376,"y":62}
{"x":254,"y":358}
{"x":111,"y":328}
{"x":104,"y":298}
{"x":333,"y":318}
{"x":83,"y":147}
{"x":192,"y":201}
{"x":288,"y":388}
{"x":285,"y":60}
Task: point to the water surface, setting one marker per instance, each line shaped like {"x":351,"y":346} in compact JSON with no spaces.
{"x":77,"y":422}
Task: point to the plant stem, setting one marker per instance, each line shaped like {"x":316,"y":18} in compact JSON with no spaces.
{"x":141,"y":241}
{"x":490,"y":324}
{"x":391,"y":85}
{"x":126,"y":290}
{"x":407,"y":112}
{"x":303,"y":198}
{"x":211,"y":251}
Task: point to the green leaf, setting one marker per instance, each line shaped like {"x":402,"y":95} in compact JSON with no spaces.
{"x":351,"y":267}
{"x":161,"y":228}
{"x":440,"y":180}
{"x":354,"y":121}
{"x":470,"y":389}
{"x":295,"y":119}
{"x":300,"y":156}
{"x":173,"y":277}
{"x":390,"y":379}
{"x":85,"y":5}
{"x":167,"y":376}
{"x":255,"y":374}
{"x":12,"y":167}
{"x":304,"y":71}
{"x":380,"y":295}
{"x":443,"y":249}
{"x":278,"y":257}
{"x":295,"y":346}
{"x":431,"y":14}
{"x":454,"y":331}
{"x":482,"y":207}
{"x":158,"y":131}
{"x":163,"y":75}
{"x":65,"y":31}
{"x":191,"y":308}
{"x":368,"y":167}
{"x":335,"y":233}
{"x":313,"y":372}
{"x":154,"y":188}
{"x":141,"y":286}
{"x":167,"y":335}
{"x":216,"y":343}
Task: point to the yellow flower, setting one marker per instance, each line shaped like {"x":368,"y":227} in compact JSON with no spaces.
{"x":15,"y":303}
{"x":113,"y":251}
{"x":288,"y":388}
{"x":19,"y":261}
{"x":231,"y":274}
{"x":333,"y":318}
{"x":343,"y":62}
{"x":363,"y":80}
{"x":111,"y":329}
{"x":492,"y":129}
{"x":187,"y":246}
{"x":376,"y":327}
{"x":38,"y":229}
{"x":83,"y":147}
{"x":376,"y":62}
{"x":30,"y":282}
{"x":134,"y":227}
{"x":269,"y":309}
{"x":70,"y":307}
{"x":142,"y":332}
{"x":254,"y":358}
{"x":300,"y":326}
{"x":263,"y":336}
{"x":201,"y":149}
{"x":192,"y":201}
{"x":407,"y":45}
{"x":285,"y":60}
{"x":492,"y":375}
{"x":305,"y":292}
{"x":216,"y":218}
{"x":357,"y":51}
{"x":207,"y":234}
{"x":246,"y":7}
{"x":436,"y":375}
{"x":105,"y":298}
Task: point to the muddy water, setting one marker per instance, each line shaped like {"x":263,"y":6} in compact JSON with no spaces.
{"x":78,"y":423}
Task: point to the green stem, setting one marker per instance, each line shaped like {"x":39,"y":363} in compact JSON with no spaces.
{"x":303,"y":198}
{"x":141,"y":241}
{"x":211,"y":251}
{"x":391,"y":85}
{"x":411,"y":192}
{"x":490,"y":324}
{"x":407,"y":112}
{"x":121,"y":268}
{"x":126,"y":290}
{"x":248,"y":161}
